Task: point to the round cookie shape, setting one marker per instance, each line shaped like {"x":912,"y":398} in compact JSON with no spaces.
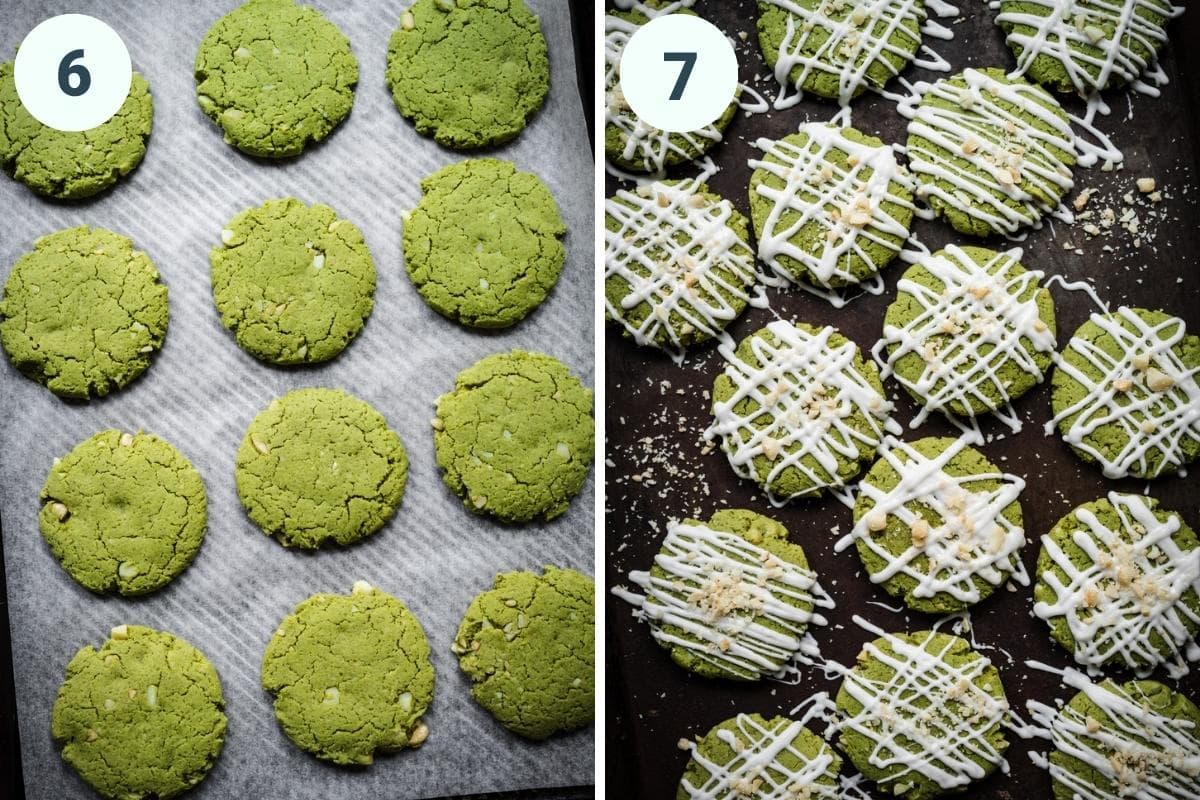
{"x":350,"y":675}
{"x":141,"y":717}
{"x":990,"y":154}
{"x":1125,"y":393}
{"x":72,"y":165}
{"x":83,"y":312}
{"x":938,"y":525}
{"x":837,"y":50}
{"x":320,"y":466}
{"x":483,"y":247}
{"x":275,"y":76}
{"x":294,"y":283}
{"x":1084,"y":48}
{"x":123,"y":512}
{"x":677,"y":266}
{"x":970,"y":331}
{"x":779,"y":757}
{"x":514,"y":439}
{"x":830,"y":207}
{"x":527,"y":645}
{"x":731,"y":598}
{"x":798,"y":410}
{"x":1119,"y":585}
{"x":469,"y":73}
{"x":945,"y":697}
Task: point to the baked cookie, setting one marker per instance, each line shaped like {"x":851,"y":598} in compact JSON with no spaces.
{"x":469,"y":73}
{"x":731,"y":598}
{"x":483,"y":247}
{"x":938,"y":525}
{"x":990,"y":154}
{"x":1119,"y":585}
{"x":275,"y":76}
{"x":320,"y":466}
{"x":830,"y":207}
{"x":83,"y":312}
{"x":797,"y":409}
{"x":922,"y":715}
{"x":350,"y":675}
{"x":677,"y":268}
{"x":142,"y":717}
{"x":1125,"y":393}
{"x":527,"y":644}
{"x":776,"y":757}
{"x":294,"y":283}
{"x":72,"y":165}
{"x":123,"y":512}
{"x":515,"y":437}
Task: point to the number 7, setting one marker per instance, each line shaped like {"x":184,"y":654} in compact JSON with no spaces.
{"x":689,"y":61}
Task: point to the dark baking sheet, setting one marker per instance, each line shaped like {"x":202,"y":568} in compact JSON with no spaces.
{"x":650,"y":424}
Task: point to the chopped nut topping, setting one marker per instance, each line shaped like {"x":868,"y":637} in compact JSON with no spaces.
{"x":1145,"y":185}
{"x":1158,"y":381}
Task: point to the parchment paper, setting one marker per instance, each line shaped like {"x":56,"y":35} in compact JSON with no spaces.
{"x":202,"y":391}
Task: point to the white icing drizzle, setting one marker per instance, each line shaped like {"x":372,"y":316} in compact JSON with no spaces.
{"x":804,"y":392}
{"x":974,"y":539}
{"x":719,"y":590}
{"x":979,"y":306}
{"x":1005,"y":151}
{"x":1153,"y":421}
{"x":1129,"y":593}
{"x":706,"y":262}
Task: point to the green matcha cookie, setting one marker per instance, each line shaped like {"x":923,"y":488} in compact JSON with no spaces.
{"x":294,"y":283}
{"x":350,"y":675}
{"x":798,"y":410}
{"x":990,"y":154}
{"x":123,"y":512}
{"x":677,"y":268}
{"x":527,"y":644}
{"x":515,"y":437}
{"x":70,"y":165}
{"x":141,"y":718}
{"x":83,"y":312}
{"x":469,"y":73}
{"x":1119,"y":585}
{"x":483,"y":246}
{"x":319,"y":466}
{"x":730,"y":598}
{"x":1125,"y":393}
{"x":275,"y":76}
{"x":749,"y":755}
{"x":922,"y":715}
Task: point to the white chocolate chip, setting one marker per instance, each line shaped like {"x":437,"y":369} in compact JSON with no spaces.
{"x":120,"y":632}
{"x":60,"y":510}
{"x":407,"y":21}
{"x":419,"y":735}
{"x":127,"y":570}
{"x":405,"y":702}
{"x":226,"y":236}
{"x":259,"y":444}
{"x":332,"y":696}
{"x":152,"y":696}
{"x":318,"y":261}
{"x":126,"y":440}
{"x":361,"y":587}
{"x":436,"y":423}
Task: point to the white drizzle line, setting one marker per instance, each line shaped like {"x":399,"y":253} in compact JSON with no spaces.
{"x":1129,"y":594}
{"x":1152,"y":421}
{"x":1078,"y":286}
{"x":705,"y":262}
{"x":804,"y":391}
{"x":978,"y":305}
{"x":720,"y":590}
{"x":974,"y":540}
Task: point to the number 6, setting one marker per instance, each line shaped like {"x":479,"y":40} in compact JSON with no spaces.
{"x":66,"y":69}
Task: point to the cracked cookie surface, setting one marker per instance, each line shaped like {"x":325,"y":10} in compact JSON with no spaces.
{"x":72,"y":165}
{"x":483,"y":246}
{"x":83,"y":312}
{"x":527,"y":645}
{"x":351,"y":675}
{"x":320,"y":466}
{"x":142,"y":717}
{"x":294,"y":283}
{"x":123,"y":512}
{"x":275,"y":76}
{"x":469,"y":73}
{"x":515,"y":437}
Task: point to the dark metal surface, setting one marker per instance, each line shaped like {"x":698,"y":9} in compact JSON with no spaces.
{"x":657,"y":412}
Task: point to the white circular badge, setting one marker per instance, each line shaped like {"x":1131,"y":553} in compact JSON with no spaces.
{"x":72,"y":72}
{"x":678,"y":72}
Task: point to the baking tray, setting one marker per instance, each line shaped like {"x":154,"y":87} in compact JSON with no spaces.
{"x":656,"y":413}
